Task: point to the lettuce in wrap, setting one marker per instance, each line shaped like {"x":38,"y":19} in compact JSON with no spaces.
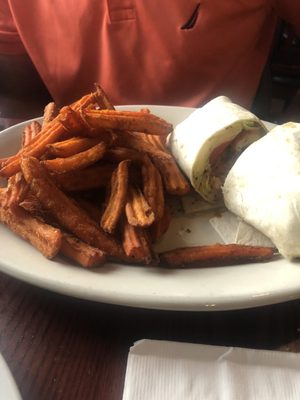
{"x":207,"y":143}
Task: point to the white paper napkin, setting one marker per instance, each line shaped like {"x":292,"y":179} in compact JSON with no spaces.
{"x":161,"y":370}
{"x":232,"y":229}
{"x":8,"y":387}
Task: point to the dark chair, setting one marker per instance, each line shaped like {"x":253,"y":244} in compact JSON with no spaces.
{"x":278,"y":96}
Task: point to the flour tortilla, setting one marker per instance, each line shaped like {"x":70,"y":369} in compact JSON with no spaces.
{"x":263,"y":187}
{"x":193,"y":140}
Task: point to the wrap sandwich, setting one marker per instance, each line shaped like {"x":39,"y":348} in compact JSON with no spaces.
{"x":263,"y":187}
{"x":207,"y":143}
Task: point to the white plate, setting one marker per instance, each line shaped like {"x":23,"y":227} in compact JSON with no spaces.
{"x":8,"y":387}
{"x":220,"y":288}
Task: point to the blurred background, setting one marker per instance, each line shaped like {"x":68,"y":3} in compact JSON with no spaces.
{"x":278,"y":97}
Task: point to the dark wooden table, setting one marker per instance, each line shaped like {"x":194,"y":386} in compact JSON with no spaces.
{"x":59,"y":347}
{"x":64,"y":348}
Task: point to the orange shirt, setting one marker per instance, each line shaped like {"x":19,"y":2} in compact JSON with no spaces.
{"x":176,"y":52}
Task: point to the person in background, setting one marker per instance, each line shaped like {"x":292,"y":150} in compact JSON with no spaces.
{"x":169,"y":52}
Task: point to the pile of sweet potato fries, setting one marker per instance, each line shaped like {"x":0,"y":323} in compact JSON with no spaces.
{"x":91,"y":182}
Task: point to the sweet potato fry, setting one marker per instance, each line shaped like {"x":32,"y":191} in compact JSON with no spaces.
{"x":3,"y":162}
{"x":127,"y":120}
{"x":43,"y":132}
{"x":35,"y":148}
{"x":102,"y":99}
{"x":91,"y":208}
{"x":137,"y":210}
{"x":136,"y":243}
{"x":118,"y":154}
{"x":174,"y":181}
{"x":17,"y":190}
{"x":93,"y":177}
{"x":51,"y":133}
{"x":157,"y":141}
{"x":138,"y":142}
{"x":32,"y":204}
{"x":160,"y":226}
{"x":50,"y":112}
{"x":2,"y":196}
{"x":30,"y":132}
{"x":45,"y":238}
{"x":77,"y":161}
{"x":117,"y":198}
{"x":72,"y":121}
{"x":215,"y":255}
{"x":72,"y":146}
{"x":85,"y":255}
{"x":66,"y":212}
{"x":153,"y":188}
{"x":86,"y":100}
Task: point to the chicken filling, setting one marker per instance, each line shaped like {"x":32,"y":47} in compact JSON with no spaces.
{"x":221,"y":160}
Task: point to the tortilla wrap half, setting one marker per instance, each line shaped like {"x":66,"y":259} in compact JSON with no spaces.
{"x":207,"y":143}
{"x":263,"y":187}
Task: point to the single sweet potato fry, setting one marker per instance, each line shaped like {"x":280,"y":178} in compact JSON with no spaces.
{"x":32,"y":204}
{"x":136,"y":243}
{"x":17,"y":190}
{"x":137,"y":209}
{"x":72,"y":146}
{"x":174,"y":181}
{"x":215,"y":255}
{"x":118,"y":154}
{"x":87,"y":100}
{"x":153,"y":188}
{"x":127,"y":120}
{"x":91,"y":208}
{"x":30,"y":132}
{"x":72,"y":121}
{"x":85,"y":255}
{"x":93,"y":177}
{"x":102,"y":100}
{"x":77,"y":161}
{"x":66,"y":212}
{"x":2,"y":196}
{"x":160,"y":226}
{"x":158,"y":141}
{"x":117,"y":198}
{"x":44,"y":237}
{"x":50,"y":112}
{"x":138,"y":142}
